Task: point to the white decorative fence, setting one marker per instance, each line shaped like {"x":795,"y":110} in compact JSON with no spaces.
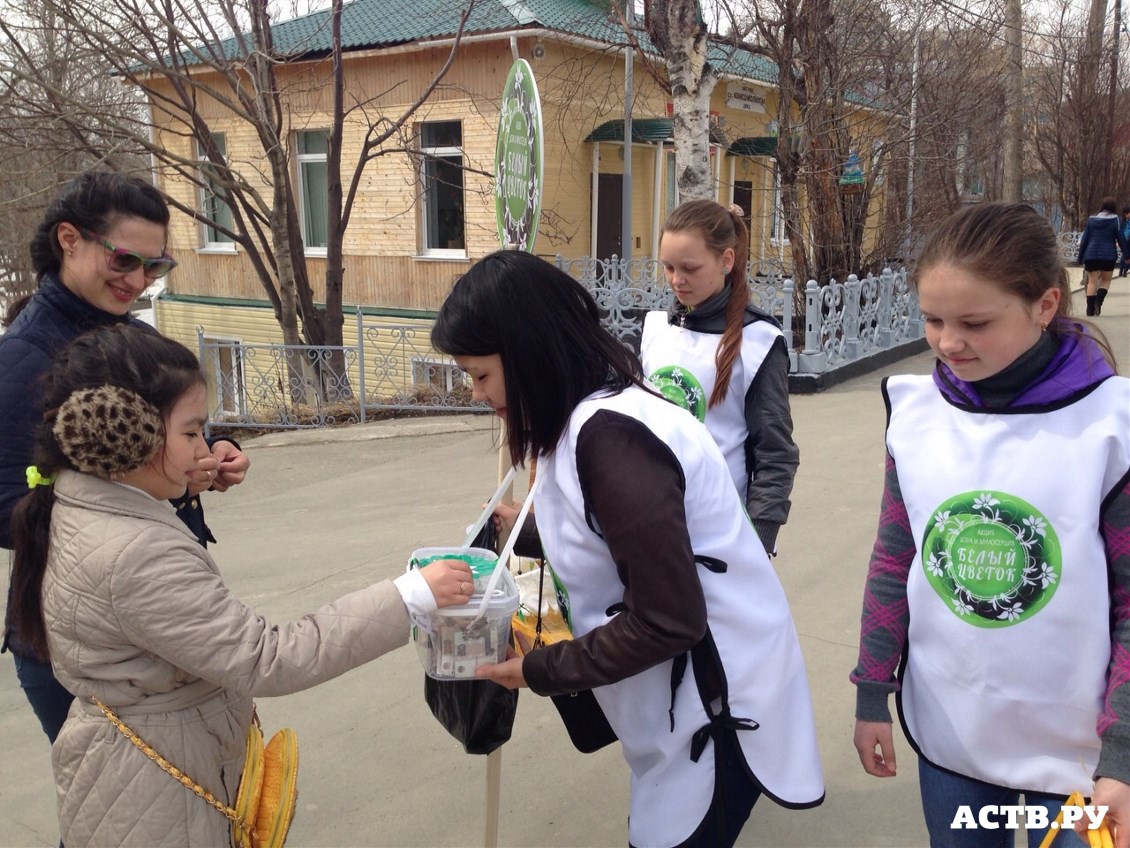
{"x":391,"y":366}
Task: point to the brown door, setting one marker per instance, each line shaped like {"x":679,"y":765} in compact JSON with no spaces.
{"x":609,"y":215}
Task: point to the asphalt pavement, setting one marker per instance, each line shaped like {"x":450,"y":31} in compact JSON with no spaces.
{"x":325,"y":512}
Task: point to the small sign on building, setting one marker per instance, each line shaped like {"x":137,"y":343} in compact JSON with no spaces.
{"x":749,"y":98}
{"x":518,"y":160}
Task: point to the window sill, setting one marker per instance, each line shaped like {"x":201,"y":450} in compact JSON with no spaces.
{"x":218,"y":248}
{"x":441,"y":256}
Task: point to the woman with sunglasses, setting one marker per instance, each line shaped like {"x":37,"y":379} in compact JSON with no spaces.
{"x":100,"y":244}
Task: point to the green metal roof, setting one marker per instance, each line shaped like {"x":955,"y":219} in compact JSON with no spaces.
{"x":645,"y":130}
{"x":373,"y":24}
{"x":384,"y":23}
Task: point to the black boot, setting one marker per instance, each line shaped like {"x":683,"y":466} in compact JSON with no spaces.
{"x":1100,"y":296}
{"x":1091,"y":304}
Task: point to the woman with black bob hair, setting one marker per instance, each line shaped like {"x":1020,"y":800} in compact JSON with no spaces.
{"x":680,"y":626}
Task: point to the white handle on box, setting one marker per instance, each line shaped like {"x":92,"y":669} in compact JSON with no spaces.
{"x":489,"y":508}
{"x":504,"y":555}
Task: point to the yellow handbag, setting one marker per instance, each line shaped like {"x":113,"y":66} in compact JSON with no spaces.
{"x":268,"y":788}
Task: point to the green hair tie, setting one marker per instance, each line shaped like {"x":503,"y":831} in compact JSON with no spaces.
{"x":34,"y":478}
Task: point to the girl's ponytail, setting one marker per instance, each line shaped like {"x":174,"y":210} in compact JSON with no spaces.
{"x":729,"y":348}
{"x":30,"y":527}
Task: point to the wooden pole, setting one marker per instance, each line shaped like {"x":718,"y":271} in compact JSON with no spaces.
{"x":494,"y":758}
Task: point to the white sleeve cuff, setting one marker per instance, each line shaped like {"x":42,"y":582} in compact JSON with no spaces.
{"x":415,"y":593}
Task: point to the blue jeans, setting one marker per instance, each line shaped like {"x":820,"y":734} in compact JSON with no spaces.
{"x":47,"y":696}
{"x":943,"y":793}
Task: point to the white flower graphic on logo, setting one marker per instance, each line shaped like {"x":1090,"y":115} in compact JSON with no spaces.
{"x":941,"y":518}
{"x":936,"y":564}
{"x":1046,"y":575}
{"x":985,"y":501}
{"x":960,"y":607}
{"x":1036,"y":524}
{"x":1011,"y":613}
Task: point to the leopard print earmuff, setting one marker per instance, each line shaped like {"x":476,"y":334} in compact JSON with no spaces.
{"x":108,"y":431}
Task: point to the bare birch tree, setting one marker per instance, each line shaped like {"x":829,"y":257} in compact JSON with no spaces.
{"x":202,"y":62}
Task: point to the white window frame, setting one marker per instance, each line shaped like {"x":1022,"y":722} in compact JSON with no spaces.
{"x":450,"y":374}
{"x":211,"y":241}
{"x":305,"y":159}
{"x":438,"y":152}
{"x":778,"y":232}
{"x":236,"y":378}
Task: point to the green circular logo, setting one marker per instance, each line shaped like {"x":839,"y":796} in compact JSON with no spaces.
{"x":682,"y":388}
{"x":518,"y":160}
{"x":992,"y":557}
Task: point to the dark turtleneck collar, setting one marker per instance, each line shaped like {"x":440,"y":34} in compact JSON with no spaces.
{"x":1003,"y":387}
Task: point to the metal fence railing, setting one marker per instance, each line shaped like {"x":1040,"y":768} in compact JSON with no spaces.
{"x":391,"y":366}
{"x":826,"y":326}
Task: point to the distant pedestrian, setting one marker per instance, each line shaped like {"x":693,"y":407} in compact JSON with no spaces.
{"x":997,"y":603}
{"x":132,"y":610}
{"x":1098,"y":252}
{"x":1124,"y":265}
{"x":724,"y":360}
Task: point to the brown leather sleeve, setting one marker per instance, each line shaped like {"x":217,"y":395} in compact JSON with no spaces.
{"x":633,"y":488}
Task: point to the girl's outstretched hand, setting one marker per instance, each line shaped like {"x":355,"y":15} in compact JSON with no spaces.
{"x":874,"y":742}
{"x":1115,"y":796}
{"x":450,"y":580}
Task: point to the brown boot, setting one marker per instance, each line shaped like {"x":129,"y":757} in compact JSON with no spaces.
{"x":1091,"y":304}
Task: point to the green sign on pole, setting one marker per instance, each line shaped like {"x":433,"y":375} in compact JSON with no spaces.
{"x":518,"y":160}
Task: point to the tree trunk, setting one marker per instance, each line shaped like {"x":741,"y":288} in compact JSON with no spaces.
{"x":679,"y":30}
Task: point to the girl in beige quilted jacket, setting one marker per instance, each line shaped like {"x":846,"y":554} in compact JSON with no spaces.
{"x":133,"y":611}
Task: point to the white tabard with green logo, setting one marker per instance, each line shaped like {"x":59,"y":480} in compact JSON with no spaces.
{"x":1009,"y":636}
{"x":749,"y":620}
{"x":680,"y":363}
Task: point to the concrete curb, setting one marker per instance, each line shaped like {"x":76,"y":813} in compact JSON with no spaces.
{"x":386,"y":429}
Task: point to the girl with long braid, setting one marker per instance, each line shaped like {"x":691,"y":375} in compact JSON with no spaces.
{"x":723,"y":359}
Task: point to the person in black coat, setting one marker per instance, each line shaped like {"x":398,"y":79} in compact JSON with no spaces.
{"x":1098,"y":252}
{"x":100,"y":244}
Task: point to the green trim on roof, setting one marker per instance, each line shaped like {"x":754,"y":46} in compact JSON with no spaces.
{"x":754,"y":145}
{"x":251,"y":303}
{"x":645,"y":130}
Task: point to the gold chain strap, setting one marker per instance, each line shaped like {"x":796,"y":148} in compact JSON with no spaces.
{"x":167,"y":767}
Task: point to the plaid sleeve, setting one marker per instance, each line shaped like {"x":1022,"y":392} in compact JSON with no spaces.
{"x":886,"y":615}
{"x":1114,"y":721}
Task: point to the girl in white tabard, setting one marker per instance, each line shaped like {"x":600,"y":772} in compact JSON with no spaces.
{"x":724,"y":360}
{"x":997,"y":603}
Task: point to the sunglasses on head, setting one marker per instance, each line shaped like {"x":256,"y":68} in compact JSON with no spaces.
{"x":122,"y":261}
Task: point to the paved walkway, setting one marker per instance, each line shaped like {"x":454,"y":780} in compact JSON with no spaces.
{"x":324,"y":512}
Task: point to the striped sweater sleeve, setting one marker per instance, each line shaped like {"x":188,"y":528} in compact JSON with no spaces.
{"x":886,"y":615}
{"x":1114,"y":721}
